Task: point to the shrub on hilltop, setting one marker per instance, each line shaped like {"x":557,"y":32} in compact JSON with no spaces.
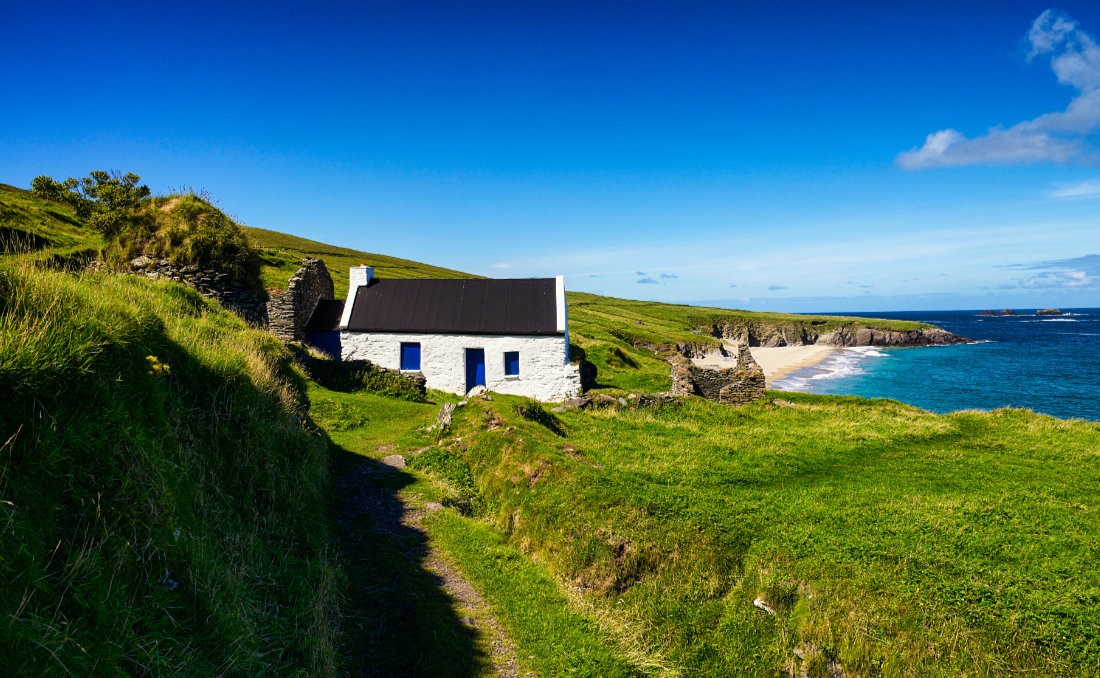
{"x":186,"y":230}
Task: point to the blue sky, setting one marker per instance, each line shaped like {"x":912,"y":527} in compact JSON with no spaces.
{"x":789,"y":156}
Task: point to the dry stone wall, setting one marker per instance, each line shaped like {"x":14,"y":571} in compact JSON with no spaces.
{"x":289,"y":311}
{"x":231,"y":292}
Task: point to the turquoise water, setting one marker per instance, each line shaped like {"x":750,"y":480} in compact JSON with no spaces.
{"x":1046,"y":364}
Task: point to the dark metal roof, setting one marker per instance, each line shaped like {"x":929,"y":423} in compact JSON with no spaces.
{"x":326,"y":316}
{"x":516,"y":306}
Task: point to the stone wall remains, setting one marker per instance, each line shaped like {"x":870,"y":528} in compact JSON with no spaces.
{"x":234,"y":294}
{"x":743,"y":383}
{"x":289,"y":311}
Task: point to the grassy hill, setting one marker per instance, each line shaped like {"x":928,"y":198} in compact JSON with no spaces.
{"x":30,"y":226}
{"x":282,"y":253}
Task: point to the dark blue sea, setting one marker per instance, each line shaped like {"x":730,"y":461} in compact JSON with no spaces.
{"x":1042,"y":363}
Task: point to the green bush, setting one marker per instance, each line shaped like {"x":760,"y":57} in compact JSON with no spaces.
{"x":361,"y":375}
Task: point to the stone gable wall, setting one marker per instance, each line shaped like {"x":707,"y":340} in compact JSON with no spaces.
{"x":289,"y":311}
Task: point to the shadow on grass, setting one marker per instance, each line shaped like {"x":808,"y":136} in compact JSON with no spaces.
{"x":399,"y":620}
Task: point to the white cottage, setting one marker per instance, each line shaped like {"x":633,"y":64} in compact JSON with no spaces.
{"x":510,"y":336}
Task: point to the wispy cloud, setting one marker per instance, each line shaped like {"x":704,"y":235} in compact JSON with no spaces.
{"x":1080,"y":190}
{"x":1079,"y":272}
{"x":654,"y":279}
{"x":1057,"y":137}
{"x":776,"y":288}
{"x":504,"y":265}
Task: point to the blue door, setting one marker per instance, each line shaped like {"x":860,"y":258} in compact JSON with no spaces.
{"x":475,"y":368}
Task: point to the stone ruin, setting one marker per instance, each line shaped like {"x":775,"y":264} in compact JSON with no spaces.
{"x":285,"y":312}
{"x":232,"y":292}
{"x":736,"y":385}
{"x":288,"y":311}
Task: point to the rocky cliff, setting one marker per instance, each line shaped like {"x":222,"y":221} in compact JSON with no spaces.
{"x":803,"y":333}
{"x":867,"y":336}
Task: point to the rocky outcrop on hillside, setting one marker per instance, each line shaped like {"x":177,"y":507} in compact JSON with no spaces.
{"x":761,"y":333}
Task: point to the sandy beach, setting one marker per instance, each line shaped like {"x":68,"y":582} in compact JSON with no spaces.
{"x":776,"y":362}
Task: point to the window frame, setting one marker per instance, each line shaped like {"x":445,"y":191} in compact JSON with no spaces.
{"x":516,"y":364}
{"x":405,"y":355}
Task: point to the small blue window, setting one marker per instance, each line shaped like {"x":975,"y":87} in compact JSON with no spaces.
{"x":511,"y":363}
{"x":410,"y":356}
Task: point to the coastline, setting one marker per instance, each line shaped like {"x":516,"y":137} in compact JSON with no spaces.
{"x":782,"y":361}
{"x":777,"y":362}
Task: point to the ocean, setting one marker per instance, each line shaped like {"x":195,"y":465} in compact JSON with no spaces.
{"x":1049,"y":364}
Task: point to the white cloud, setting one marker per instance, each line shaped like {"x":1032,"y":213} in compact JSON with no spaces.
{"x":1057,"y":137}
{"x":1078,"y":279}
{"x":1083,"y":189}
{"x":1078,"y":272}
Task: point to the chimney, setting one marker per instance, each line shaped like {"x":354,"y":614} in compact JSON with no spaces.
{"x":358,"y":276}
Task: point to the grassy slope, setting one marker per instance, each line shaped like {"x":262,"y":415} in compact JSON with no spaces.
{"x":154,"y":519}
{"x":413,"y":623}
{"x":282,"y":254}
{"x":55,"y":222}
{"x":893,"y":541}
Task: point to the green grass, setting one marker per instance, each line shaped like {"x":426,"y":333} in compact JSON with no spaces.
{"x":888,"y":539}
{"x":420,"y":623}
{"x":553,"y":638}
{"x":37,"y":228}
{"x":162,"y":507}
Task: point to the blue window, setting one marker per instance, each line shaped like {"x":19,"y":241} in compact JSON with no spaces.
{"x":410,"y":356}
{"x":511,"y":363}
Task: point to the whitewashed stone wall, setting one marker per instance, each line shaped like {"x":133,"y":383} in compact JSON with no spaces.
{"x":543,"y":372}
